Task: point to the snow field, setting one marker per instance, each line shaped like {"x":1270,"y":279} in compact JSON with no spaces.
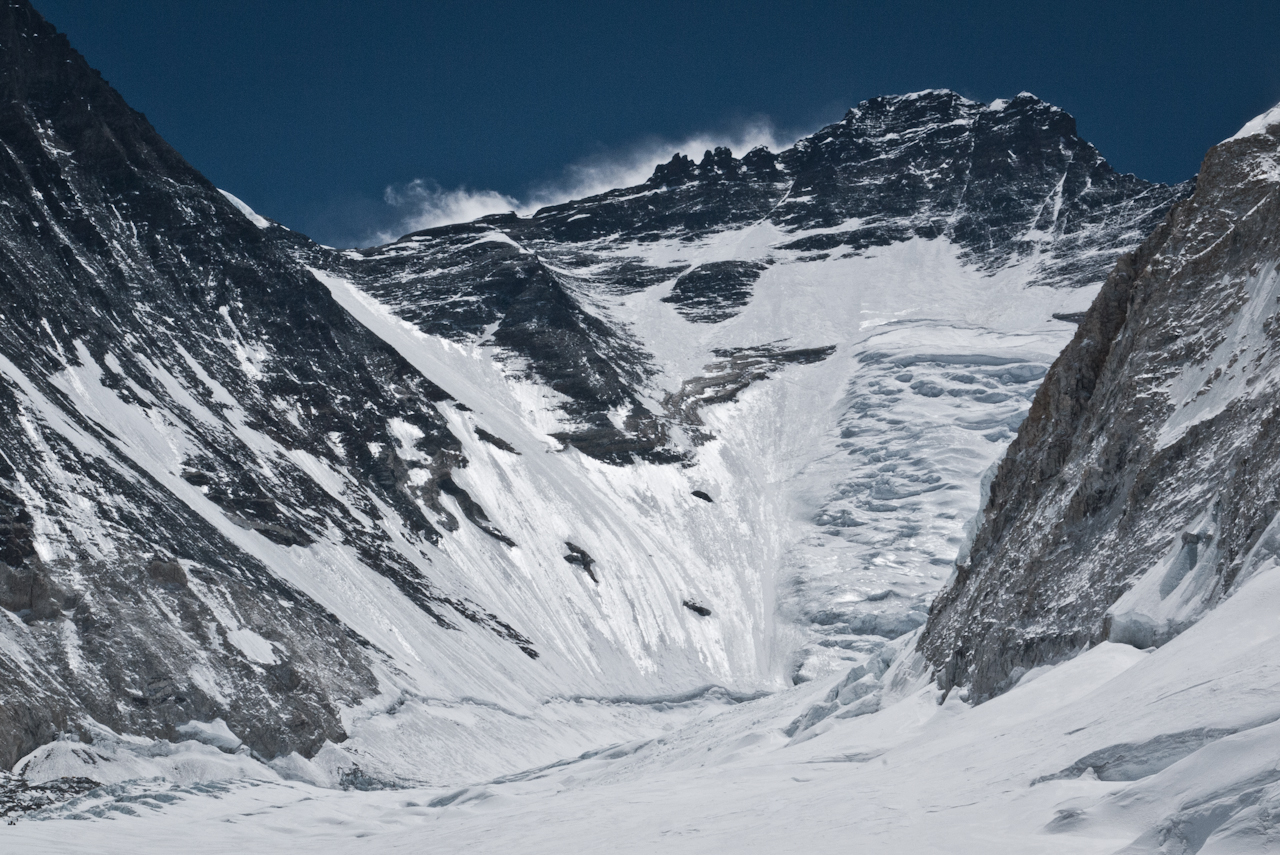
{"x":1182,"y":738}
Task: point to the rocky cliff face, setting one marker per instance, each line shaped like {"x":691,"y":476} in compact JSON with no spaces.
{"x":1142,"y":487}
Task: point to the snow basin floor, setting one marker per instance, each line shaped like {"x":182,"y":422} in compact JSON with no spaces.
{"x":1168,"y":750}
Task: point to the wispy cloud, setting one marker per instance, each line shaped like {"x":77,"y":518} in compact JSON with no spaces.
{"x":423,"y":204}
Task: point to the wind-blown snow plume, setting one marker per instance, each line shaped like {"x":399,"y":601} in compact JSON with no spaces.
{"x":428,"y":204}
{"x":424,"y":204}
{"x":634,"y":165}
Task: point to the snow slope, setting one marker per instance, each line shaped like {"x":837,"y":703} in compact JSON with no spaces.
{"x":840,"y":492}
{"x":934,"y":363}
{"x":840,"y":484}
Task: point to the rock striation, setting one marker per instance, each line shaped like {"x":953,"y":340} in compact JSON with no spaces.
{"x":168,"y":373}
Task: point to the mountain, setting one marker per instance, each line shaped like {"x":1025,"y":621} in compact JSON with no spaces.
{"x":925,"y":257}
{"x":502,"y":492}
{"x":1010,"y":184}
{"x":164,"y":362}
{"x":1140,"y":491}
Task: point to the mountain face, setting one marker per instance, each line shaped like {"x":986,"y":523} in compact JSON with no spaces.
{"x":1010,"y":183}
{"x":170,"y":376}
{"x":695,"y":439}
{"x":1141,"y":490}
{"x":925,"y":255}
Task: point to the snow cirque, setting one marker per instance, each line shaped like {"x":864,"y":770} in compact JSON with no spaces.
{"x":618,"y":526}
{"x":694,"y":440}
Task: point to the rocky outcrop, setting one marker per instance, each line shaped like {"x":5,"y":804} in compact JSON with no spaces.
{"x":1007,"y":179}
{"x":1142,"y":485}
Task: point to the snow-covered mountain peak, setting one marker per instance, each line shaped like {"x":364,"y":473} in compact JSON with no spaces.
{"x":1253,"y":154}
{"x":899,"y":114}
{"x":884,"y":271}
{"x":634,"y":508}
{"x":896,"y":114}
{"x":1263,"y":123}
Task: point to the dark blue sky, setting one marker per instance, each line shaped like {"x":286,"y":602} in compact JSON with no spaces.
{"x":310,"y":109}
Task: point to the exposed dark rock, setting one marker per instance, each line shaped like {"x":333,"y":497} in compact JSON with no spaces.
{"x":697,"y":608}
{"x":356,"y":778}
{"x":495,"y":441}
{"x":29,"y":592}
{"x":167,"y":572}
{"x":580,"y":557}
{"x":472,"y":510}
{"x":735,"y":370}
{"x":15,"y":524}
{"x":679,"y":170}
{"x":715,"y":291}
{"x":19,"y":796}
{"x":703,"y":495}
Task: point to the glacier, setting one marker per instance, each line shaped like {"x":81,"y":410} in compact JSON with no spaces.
{"x":611,"y":525}
{"x":1120,"y":749}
